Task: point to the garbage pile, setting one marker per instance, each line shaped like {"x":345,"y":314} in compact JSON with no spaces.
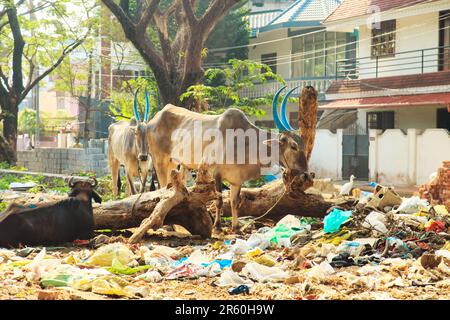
{"x":384,"y":247}
{"x":438,"y":189}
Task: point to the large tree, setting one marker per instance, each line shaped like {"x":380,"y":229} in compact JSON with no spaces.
{"x":174,"y":57}
{"x":28,"y":44}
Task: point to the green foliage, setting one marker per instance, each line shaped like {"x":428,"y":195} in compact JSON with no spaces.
{"x":122,"y":101}
{"x":220,"y":88}
{"x":55,"y":185}
{"x":27,"y":122}
{"x":233,"y":30}
{"x":6,"y":165}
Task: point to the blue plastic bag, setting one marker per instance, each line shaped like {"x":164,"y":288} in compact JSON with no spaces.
{"x":333,"y":221}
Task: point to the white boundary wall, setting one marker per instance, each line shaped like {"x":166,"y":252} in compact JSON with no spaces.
{"x":326,"y":159}
{"x":400,"y":158}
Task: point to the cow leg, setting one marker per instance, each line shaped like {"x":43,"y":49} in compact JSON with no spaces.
{"x":144,"y":173}
{"x":219,"y":203}
{"x":130,"y":186}
{"x":114,"y":165}
{"x":234,"y":199}
{"x":160,"y":166}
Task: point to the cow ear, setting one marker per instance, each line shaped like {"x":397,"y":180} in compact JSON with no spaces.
{"x":96,"y":197}
{"x":271,"y":142}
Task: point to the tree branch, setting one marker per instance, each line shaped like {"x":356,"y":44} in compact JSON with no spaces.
{"x":65,"y":52}
{"x":190,"y":15}
{"x":123,"y":17}
{"x":217,"y":10}
{"x":147,"y":16}
{"x":19,"y":44}
{"x":5,"y":79}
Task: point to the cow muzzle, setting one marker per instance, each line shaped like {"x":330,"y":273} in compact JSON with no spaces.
{"x":143,"y":157}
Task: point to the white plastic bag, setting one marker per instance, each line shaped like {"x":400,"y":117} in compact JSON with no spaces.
{"x":151,"y":276}
{"x":230,"y":278}
{"x":261,"y":273}
{"x":413,"y":205}
{"x":376,"y":221}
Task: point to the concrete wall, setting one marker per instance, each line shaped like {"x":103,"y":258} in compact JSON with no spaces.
{"x":326,"y":159}
{"x":414,"y":33}
{"x":282,"y":48}
{"x":66,"y":161}
{"x":400,"y":158}
{"x":433,"y":147}
{"x":423,"y":117}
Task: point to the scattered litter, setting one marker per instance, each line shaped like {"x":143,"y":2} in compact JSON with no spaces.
{"x":242,"y":289}
{"x":334,"y":220}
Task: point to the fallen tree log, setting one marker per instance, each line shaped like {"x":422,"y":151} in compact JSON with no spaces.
{"x":188,"y":206}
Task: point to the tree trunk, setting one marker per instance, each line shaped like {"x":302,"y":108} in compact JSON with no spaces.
{"x":307,"y":118}
{"x":177,"y":61}
{"x":6,"y":153}
{"x":8,"y":150}
{"x":189,"y":210}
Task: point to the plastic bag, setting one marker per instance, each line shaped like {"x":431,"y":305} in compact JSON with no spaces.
{"x":107,"y":285}
{"x":118,"y":268}
{"x":376,"y":220}
{"x":441,"y":210}
{"x":353,"y":248}
{"x":262,"y":273}
{"x":104,"y":256}
{"x":150,"y":276}
{"x":260,"y":240}
{"x":230,"y":278}
{"x":321,"y":271}
{"x":334,"y":220}
{"x":290,"y":221}
{"x":413,"y":204}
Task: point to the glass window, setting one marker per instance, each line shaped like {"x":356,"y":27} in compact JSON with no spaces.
{"x":315,"y":55}
{"x":383,"y":39}
{"x":271,"y":60}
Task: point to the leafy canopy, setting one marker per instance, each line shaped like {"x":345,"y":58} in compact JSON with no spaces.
{"x":220,"y":88}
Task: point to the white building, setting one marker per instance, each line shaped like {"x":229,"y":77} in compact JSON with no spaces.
{"x":382,"y":69}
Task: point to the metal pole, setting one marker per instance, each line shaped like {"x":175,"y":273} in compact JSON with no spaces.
{"x":422,"y":59}
{"x":376,"y":69}
{"x":35,"y":90}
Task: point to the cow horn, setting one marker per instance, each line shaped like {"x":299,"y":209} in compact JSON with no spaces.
{"x":276,"y":117}
{"x":147,"y":106}
{"x":284,"y":119}
{"x":136,"y":111}
{"x":94,"y":183}
{"x":71,"y":184}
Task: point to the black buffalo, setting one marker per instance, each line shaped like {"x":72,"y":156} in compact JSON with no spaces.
{"x":51,"y":224}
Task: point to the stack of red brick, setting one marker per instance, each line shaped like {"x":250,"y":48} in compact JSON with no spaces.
{"x":438,"y":190}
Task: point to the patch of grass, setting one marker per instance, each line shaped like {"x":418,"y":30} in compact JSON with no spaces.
{"x":3,"y":206}
{"x":5,"y":165}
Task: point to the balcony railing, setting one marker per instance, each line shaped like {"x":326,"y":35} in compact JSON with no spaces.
{"x":404,"y":63}
{"x":262,"y":90}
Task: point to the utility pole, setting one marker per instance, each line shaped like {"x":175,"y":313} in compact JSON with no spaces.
{"x":35,"y":90}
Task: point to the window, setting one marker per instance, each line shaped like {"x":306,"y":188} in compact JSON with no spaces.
{"x":444,"y":41}
{"x":443,"y":119}
{"x":315,"y":55}
{"x":380,"y":120}
{"x":60,"y":103}
{"x":271,"y":60}
{"x":383,"y":39}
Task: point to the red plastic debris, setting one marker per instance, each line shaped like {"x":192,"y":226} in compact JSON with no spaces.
{"x":436,"y":226}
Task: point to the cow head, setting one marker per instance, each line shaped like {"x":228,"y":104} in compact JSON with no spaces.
{"x":140,"y":128}
{"x":84,"y":190}
{"x":291,"y":148}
